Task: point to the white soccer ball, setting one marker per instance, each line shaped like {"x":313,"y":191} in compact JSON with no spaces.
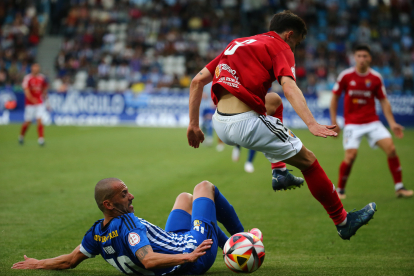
{"x":243,"y":253}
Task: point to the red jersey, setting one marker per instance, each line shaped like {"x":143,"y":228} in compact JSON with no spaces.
{"x":360,"y":93}
{"x":249,"y":65}
{"x":35,"y":85}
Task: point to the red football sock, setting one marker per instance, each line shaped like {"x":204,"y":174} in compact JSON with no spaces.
{"x":395,"y":168}
{"x":324,"y":191}
{"x":344,"y":170}
{"x":278,"y":165}
{"x":40,"y":130}
{"x":24,"y":129}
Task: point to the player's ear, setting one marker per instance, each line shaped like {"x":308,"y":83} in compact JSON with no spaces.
{"x":289,"y":35}
{"x":107,"y":204}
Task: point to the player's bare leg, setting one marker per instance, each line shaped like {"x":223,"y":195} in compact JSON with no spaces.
{"x":40,"y":130}
{"x":345,"y":170}
{"x":387,"y":145}
{"x":324,"y":191}
{"x":184,"y":201}
{"x":23,"y":130}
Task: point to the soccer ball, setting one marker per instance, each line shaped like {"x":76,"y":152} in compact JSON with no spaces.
{"x":243,"y":253}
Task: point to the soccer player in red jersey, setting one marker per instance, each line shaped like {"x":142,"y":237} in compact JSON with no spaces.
{"x":242,"y":75}
{"x":362,"y":85}
{"x":35,"y":90}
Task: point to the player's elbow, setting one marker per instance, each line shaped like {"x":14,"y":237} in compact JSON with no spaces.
{"x":197,"y":81}
{"x":149,"y":263}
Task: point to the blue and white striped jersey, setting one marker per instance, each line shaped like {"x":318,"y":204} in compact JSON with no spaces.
{"x":118,"y":241}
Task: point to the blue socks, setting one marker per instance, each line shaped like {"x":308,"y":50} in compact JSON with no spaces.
{"x":227,"y":216}
{"x":252,"y":153}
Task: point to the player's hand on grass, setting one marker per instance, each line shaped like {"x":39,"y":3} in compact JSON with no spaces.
{"x":322,"y":130}
{"x":195,"y":136}
{"x":28,"y":263}
{"x":200,"y":250}
{"x":398,"y":130}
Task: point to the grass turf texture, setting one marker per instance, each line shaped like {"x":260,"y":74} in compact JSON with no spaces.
{"x":47,"y":204}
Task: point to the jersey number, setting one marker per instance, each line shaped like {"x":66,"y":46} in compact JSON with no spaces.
{"x":234,"y":47}
{"x":125,"y":265}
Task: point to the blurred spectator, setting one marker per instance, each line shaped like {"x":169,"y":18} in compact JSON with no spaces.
{"x":21,"y":28}
{"x":164,"y":43}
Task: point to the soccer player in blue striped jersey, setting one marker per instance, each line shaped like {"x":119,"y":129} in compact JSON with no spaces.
{"x":188,"y":245}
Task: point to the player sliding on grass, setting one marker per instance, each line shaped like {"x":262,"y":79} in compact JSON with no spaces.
{"x":242,"y":75}
{"x":188,"y":245}
{"x":362,"y":85}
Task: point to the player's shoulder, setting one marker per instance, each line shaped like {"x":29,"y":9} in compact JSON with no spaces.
{"x":375,"y":74}
{"x":129,"y":221}
{"x":274,"y":39}
{"x":27,"y":76}
{"x":95,"y":224}
{"x":346,"y":72}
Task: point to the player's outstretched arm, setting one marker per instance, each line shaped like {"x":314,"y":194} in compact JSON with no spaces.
{"x":194,"y":134}
{"x":396,"y":128}
{"x":298,"y":102}
{"x":62,"y":262}
{"x":152,"y":260}
{"x":333,"y":111}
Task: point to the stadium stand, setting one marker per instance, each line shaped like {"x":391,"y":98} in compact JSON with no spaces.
{"x":23,"y":24}
{"x":147,"y":45}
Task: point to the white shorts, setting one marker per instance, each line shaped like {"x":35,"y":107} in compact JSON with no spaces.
{"x":374,"y":132}
{"x":35,"y":111}
{"x":266,"y":134}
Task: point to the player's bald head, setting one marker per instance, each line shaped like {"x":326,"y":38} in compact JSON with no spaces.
{"x":105,"y":189}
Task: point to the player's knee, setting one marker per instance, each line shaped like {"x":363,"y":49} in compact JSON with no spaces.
{"x":185,"y":197}
{"x":204,"y":187}
{"x":309,"y":159}
{"x":391,"y":152}
{"x":350,"y":157}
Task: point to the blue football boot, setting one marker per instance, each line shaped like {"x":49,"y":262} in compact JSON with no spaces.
{"x":284,"y":180}
{"x":355,"y":219}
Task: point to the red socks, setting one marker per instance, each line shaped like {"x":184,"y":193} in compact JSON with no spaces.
{"x":344,"y":170}
{"x":24,"y":129}
{"x":324,"y":191}
{"x":278,"y":165}
{"x":40,"y":130}
{"x":395,"y":168}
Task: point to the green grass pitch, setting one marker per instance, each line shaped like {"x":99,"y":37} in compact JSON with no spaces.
{"x":47,"y":205}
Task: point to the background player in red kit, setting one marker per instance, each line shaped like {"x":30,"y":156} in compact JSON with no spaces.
{"x":35,"y":91}
{"x":242,"y":75}
{"x":362,"y":85}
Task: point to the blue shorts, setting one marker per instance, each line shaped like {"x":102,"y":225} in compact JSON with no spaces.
{"x":202,"y":225}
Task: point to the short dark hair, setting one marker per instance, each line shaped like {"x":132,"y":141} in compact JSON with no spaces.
{"x":286,"y":21}
{"x":362,"y":47}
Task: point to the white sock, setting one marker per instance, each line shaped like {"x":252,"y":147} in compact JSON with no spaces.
{"x":41,"y":140}
{"x":398,"y":186}
{"x":344,"y":222}
{"x":281,"y":169}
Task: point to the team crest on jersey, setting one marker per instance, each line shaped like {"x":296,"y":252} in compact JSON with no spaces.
{"x":292,"y":134}
{"x":352,"y":83}
{"x":367,"y":83}
{"x":197,"y":222}
{"x":218,"y":71}
{"x":133,"y":238}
